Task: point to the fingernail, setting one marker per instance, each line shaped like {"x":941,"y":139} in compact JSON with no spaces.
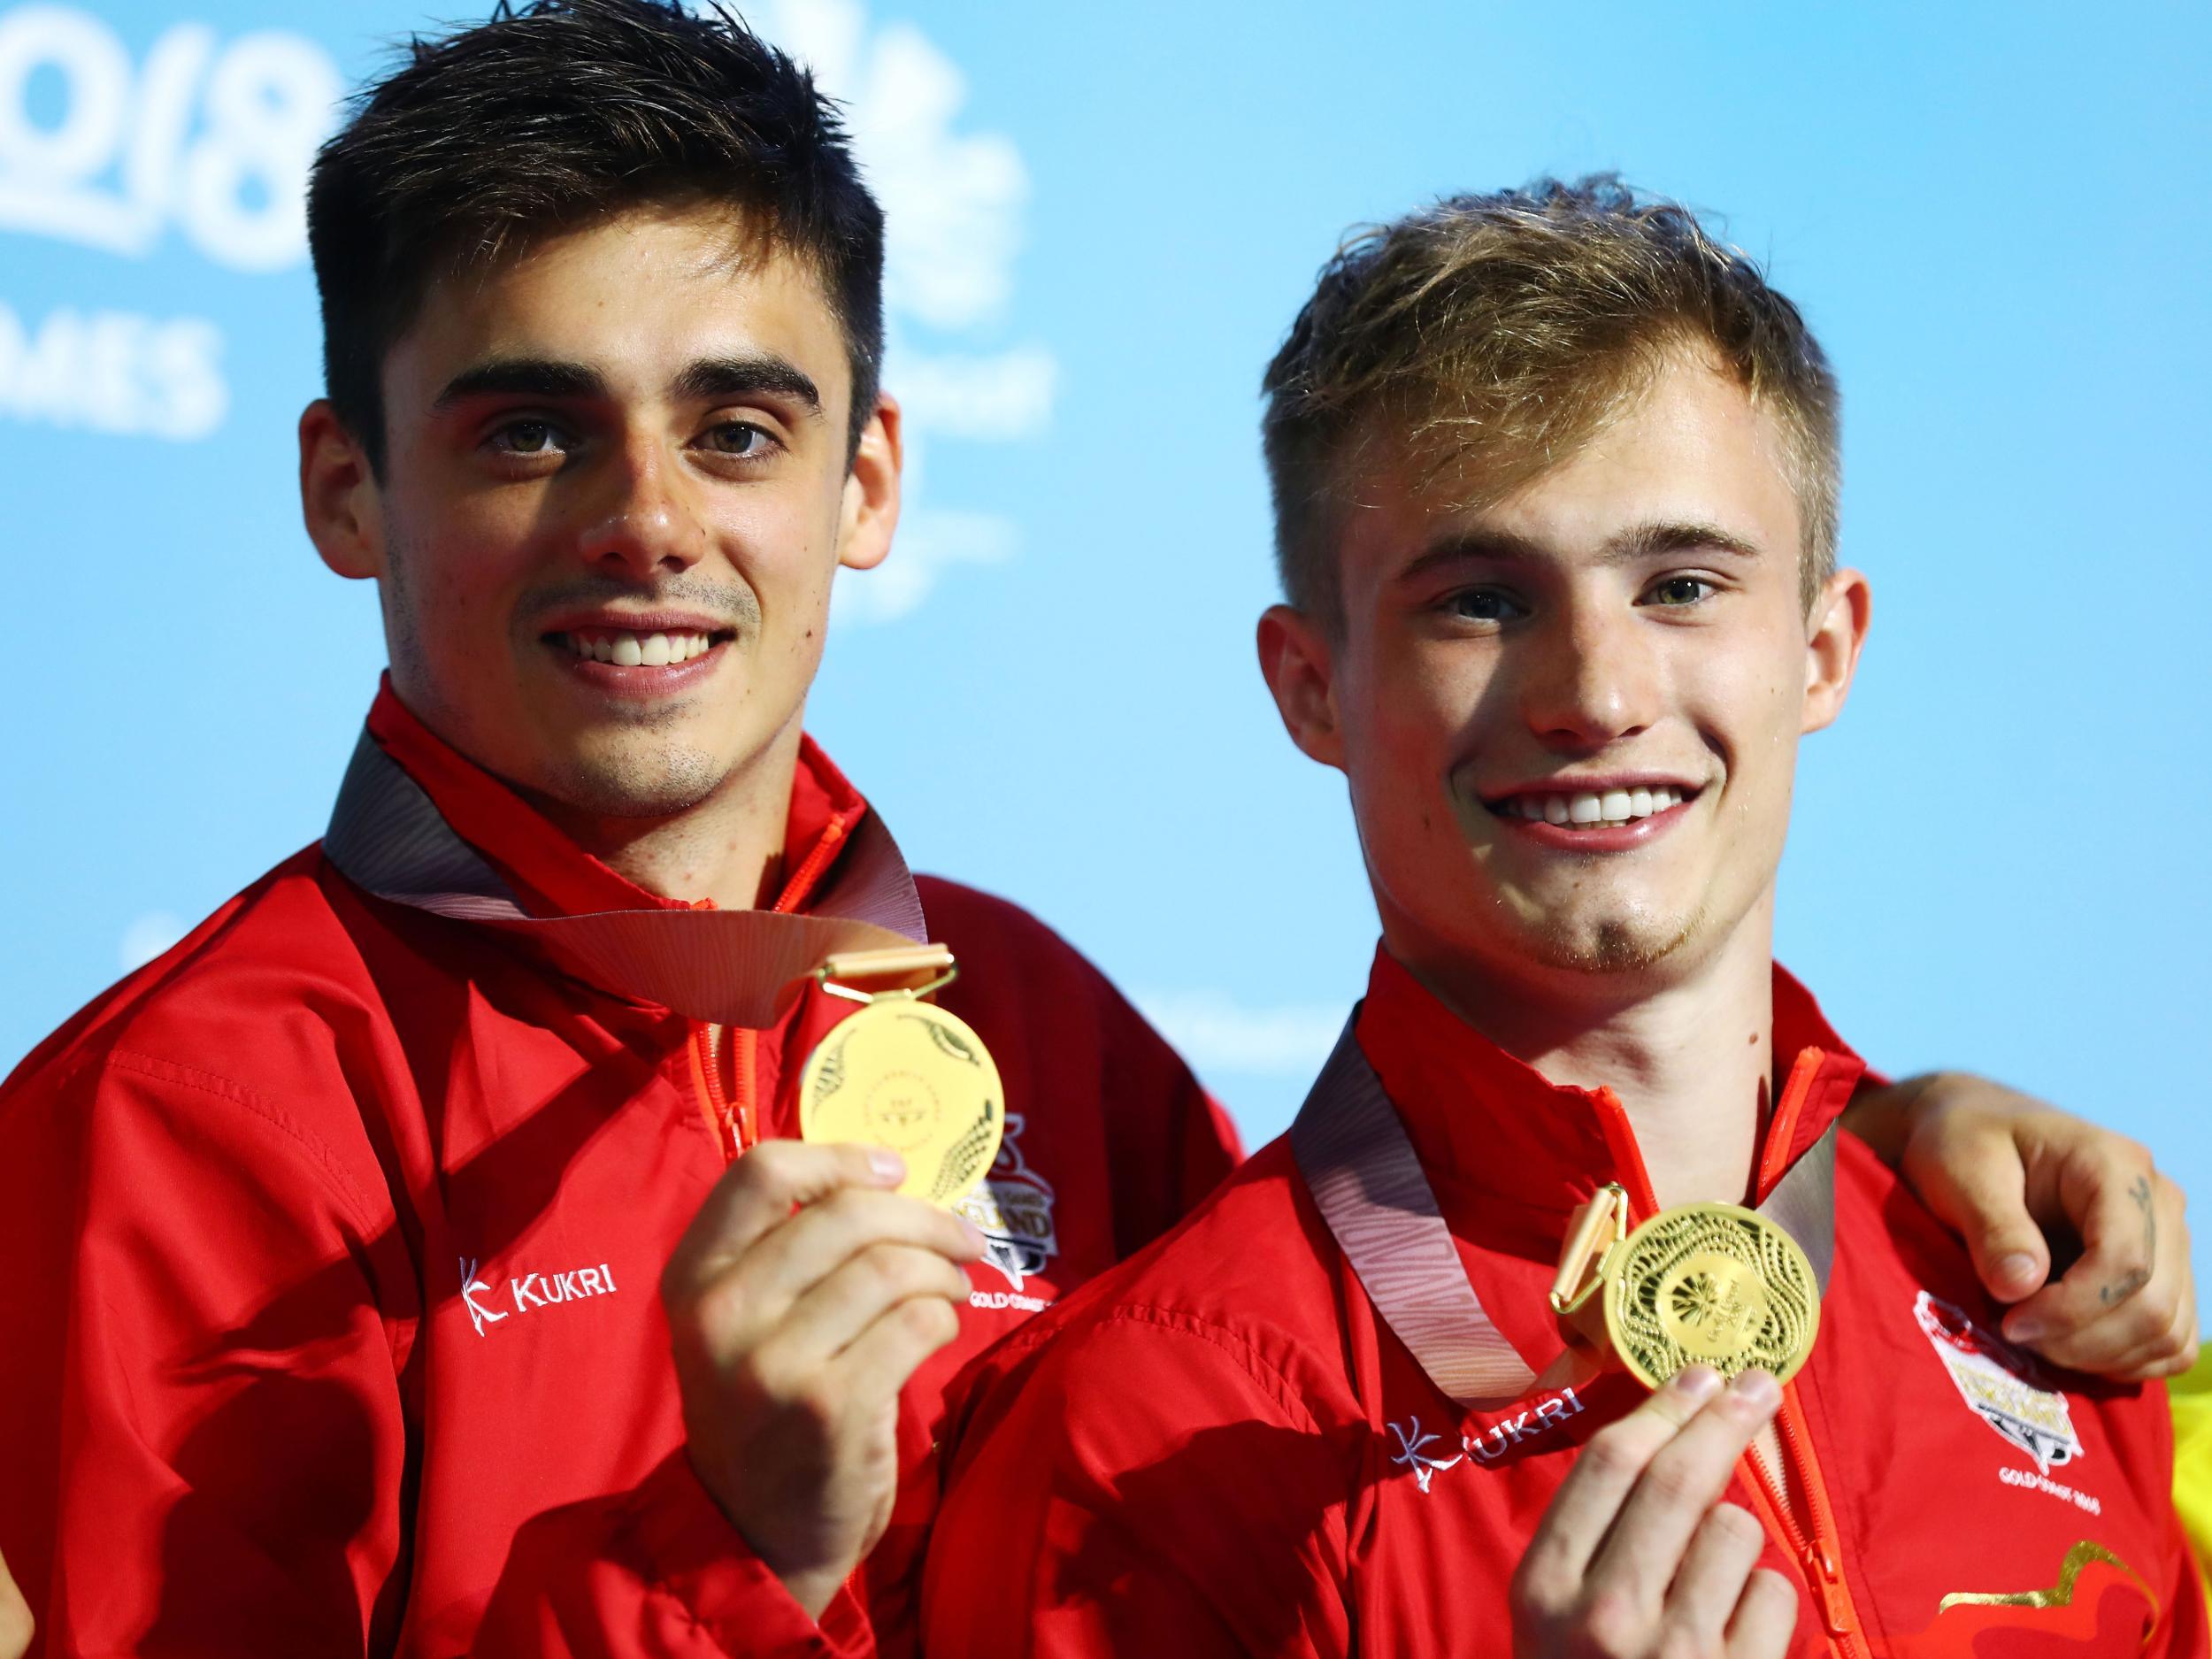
{"x":976,"y":1241}
{"x":2017,"y":1269}
{"x":887,"y":1167}
{"x":2026,"y":1329}
{"x":1697,"y":1382}
{"x":1758,"y":1389}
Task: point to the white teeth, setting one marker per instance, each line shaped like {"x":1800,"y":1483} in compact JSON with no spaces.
{"x":640,"y":650}
{"x":1590,"y":807}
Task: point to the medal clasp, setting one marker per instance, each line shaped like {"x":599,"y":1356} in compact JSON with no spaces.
{"x":1583,"y":1262}
{"x":1593,"y":1246}
{"x":838,"y":975}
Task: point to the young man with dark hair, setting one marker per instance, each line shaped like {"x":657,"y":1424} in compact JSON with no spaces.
{"x":1472,"y":1359}
{"x":336,"y":1234}
{"x":349,"y":1223}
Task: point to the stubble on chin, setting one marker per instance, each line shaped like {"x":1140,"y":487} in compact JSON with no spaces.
{"x":1615,"y":944}
{"x":644,"y":776}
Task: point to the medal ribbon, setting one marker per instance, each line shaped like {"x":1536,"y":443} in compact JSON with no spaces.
{"x":1367,"y":1181}
{"x":723,"y":967}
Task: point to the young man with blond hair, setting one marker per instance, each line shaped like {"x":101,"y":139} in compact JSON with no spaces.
{"x":1556,"y":480}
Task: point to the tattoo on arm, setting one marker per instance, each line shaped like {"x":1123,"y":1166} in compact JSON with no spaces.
{"x":2128,"y":1285}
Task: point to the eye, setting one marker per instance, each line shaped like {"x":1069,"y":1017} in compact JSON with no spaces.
{"x":1485,"y":604}
{"x":528,"y":437}
{"x":738,"y":437}
{"x":1680,"y":590}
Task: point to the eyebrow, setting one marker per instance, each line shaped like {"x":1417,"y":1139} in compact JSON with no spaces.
{"x":1630,"y":546}
{"x":523,"y":377}
{"x":703,"y":380}
{"x":712,"y":378}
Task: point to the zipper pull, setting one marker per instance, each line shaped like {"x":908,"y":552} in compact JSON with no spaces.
{"x":1827,"y":1587}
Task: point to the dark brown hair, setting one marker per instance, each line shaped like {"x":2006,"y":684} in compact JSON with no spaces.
{"x":553,"y":113}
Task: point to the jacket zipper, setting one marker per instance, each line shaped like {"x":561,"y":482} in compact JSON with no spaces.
{"x":811,"y":867}
{"x":730,"y":1112}
{"x":1817,"y":1553}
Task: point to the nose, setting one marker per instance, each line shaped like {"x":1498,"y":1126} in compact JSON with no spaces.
{"x":640,"y":519}
{"x":1591,"y":679}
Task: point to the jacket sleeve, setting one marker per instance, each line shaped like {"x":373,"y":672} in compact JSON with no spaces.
{"x":202,"y":1449}
{"x":1144,"y":1484}
{"x":2182,"y":1630}
{"x":657,"y":1572}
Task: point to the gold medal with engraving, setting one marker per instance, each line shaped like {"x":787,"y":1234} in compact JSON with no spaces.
{"x":1701,"y":1283}
{"x":905,"y":1074}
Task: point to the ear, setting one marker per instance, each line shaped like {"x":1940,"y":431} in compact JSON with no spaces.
{"x":1840,"y":619}
{"x":870,"y":508}
{"x":1297,"y":658}
{"x":339,"y":497}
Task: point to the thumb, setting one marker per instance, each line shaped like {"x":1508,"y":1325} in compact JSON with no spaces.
{"x":1975,"y":1181}
{"x":15,"y":1618}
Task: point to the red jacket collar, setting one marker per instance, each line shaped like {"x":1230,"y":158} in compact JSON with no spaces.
{"x":1511,"y":1155}
{"x":550,"y":874}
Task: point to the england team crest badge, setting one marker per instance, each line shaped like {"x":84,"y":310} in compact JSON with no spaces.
{"x":2003,"y":1386}
{"x":1013,"y":1207}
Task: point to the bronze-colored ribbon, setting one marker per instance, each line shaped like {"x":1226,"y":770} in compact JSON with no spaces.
{"x":725,"y":967}
{"x":1366,"y":1179}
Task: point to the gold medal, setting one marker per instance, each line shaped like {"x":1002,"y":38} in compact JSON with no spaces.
{"x":903,"y":1074}
{"x":1701,"y":1283}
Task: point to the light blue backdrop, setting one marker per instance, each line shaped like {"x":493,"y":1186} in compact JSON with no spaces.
{"x":1103,"y":219}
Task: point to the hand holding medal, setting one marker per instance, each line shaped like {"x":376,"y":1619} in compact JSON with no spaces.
{"x":903,"y":1074}
{"x":1701,"y":1283}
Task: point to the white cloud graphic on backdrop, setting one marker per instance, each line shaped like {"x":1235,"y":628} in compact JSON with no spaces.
{"x":203,"y":135}
{"x":1218,"y":1034}
{"x":213,"y":137}
{"x":953,"y":203}
{"x":148,"y":936}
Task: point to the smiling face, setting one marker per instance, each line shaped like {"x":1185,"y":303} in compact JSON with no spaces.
{"x":618,"y":483}
{"x":1569,"y":719}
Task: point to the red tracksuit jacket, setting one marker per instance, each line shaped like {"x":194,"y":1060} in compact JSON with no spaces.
{"x":1220,"y":1449}
{"x":332,"y":1238}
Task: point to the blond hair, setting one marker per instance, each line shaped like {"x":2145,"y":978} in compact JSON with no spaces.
{"x":1486,"y":338}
